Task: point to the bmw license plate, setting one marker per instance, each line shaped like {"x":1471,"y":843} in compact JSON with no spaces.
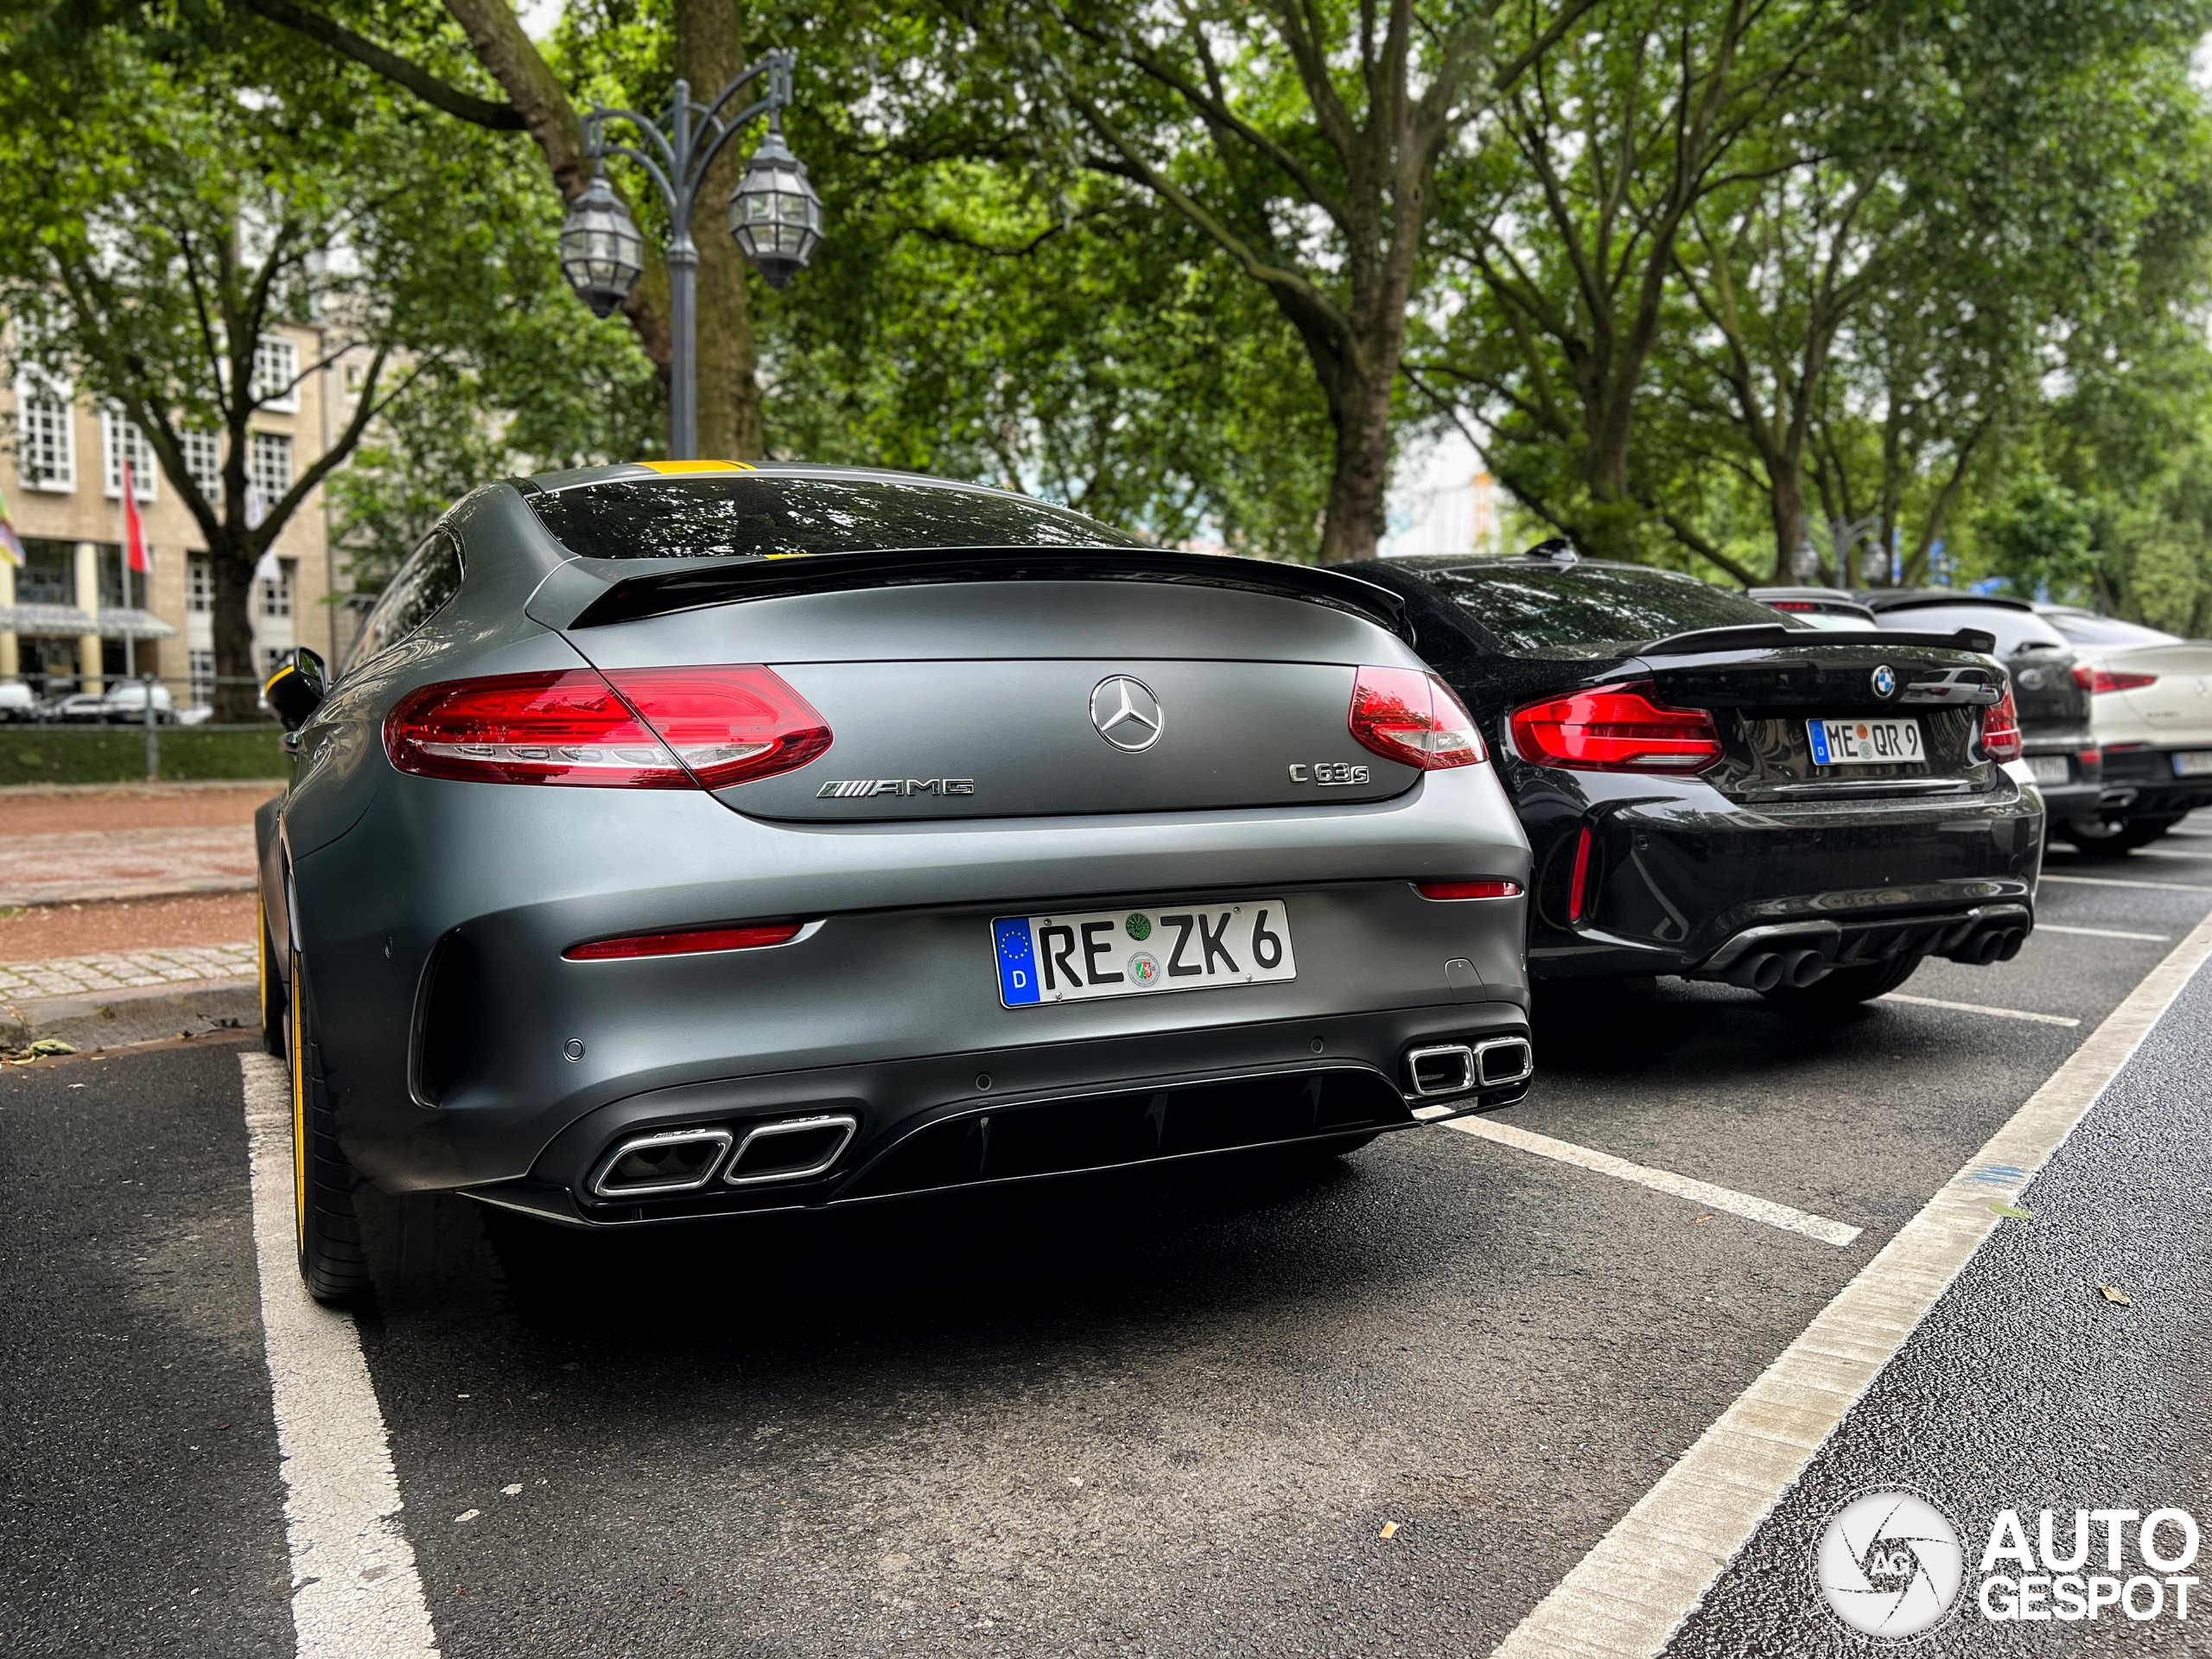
{"x":1102,"y":953}
{"x":2047,"y":768}
{"x":2193,"y":763}
{"x":1865,"y":742}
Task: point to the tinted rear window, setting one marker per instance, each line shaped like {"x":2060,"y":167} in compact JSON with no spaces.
{"x":2015,"y":630}
{"x":2109,"y":631}
{"x":732,"y":517}
{"x":1584,"y":610}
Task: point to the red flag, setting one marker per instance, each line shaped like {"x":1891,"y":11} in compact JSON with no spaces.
{"x":134,"y":533}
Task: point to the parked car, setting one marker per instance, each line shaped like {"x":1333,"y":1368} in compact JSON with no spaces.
{"x":2151,"y":708}
{"x":1714,"y":790}
{"x":1819,"y":607}
{"x":122,"y":703}
{"x":2061,"y":751}
{"x":17,"y":702}
{"x":681,"y":842}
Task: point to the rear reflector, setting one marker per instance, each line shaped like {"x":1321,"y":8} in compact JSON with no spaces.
{"x":1468,"y":889}
{"x":2097,"y":679}
{"x":2093,"y":757}
{"x":2000,"y":729}
{"x":1414,"y":719}
{"x":635,"y":728}
{"x":1578,"y":886}
{"x":1616,"y":729}
{"x":752,"y":937}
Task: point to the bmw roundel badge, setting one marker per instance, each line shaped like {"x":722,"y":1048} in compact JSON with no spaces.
{"x":1885,"y":681}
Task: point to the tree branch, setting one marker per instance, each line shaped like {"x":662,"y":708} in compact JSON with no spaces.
{"x":440,"y":94}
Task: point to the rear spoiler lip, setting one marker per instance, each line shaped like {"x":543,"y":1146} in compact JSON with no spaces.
{"x":699,"y":584}
{"x":1759,"y":635}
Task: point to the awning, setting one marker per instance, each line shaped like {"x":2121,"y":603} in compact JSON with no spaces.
{"x":67,"y":622}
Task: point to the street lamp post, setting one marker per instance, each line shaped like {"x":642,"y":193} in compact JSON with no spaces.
{"x":774,"y":216}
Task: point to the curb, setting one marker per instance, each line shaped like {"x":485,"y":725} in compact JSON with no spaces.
{"x":117,"y":893}
{"x":101,"y":1019}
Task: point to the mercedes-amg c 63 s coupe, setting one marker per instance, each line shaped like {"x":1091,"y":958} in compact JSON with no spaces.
{"x":1715,"y":790}
{"x":692,"y":839}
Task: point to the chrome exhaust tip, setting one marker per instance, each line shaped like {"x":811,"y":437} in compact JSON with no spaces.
{"x":654,"y":1165}
{"x":1504,"y":1060}
{"x":1441,"y":1069}
{"x":791,"y":1148}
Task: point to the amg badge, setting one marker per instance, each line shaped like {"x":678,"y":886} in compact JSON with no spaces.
{"x":1328,"y":773}
{"x":855,"y":788}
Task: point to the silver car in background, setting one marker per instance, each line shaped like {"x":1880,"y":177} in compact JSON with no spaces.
{"x":689,"y":839}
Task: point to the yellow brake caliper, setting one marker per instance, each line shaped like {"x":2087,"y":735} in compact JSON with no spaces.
{"x":297,"y":1056}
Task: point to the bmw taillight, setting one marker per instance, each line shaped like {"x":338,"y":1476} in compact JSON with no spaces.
{"x":1414,"y":718}
{"x":1468,"y":889}
{"x":2000,"y":729}
{"x":634,"y":728}
{"x":2097,"y":679}
{"x":1616,"y":729}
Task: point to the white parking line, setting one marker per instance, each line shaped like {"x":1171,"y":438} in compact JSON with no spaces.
{"x":1660,"y":1181}
{"x":2111,"y":881}
{"x":2102,"y":933}
{"x":355,"y":1593}
{"x":1628,"y":1595}
{"x":1976,"y":1008}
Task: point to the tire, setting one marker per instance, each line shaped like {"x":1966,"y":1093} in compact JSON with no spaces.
{"x":1844,"y":988}
{"x":332,"y":1265}
{"x":2114,"y":837}
{"x":272,"y":991}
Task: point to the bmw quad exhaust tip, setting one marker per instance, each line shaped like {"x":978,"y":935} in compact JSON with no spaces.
{"x":655,"y":1166}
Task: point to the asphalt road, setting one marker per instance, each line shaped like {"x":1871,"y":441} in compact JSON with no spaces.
{"x":1171,"y":1415}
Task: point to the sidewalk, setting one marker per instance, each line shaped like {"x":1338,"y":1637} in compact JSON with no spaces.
{"x":95,"y":843}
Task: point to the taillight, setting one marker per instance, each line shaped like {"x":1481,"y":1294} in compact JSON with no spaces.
{"x":1414,"y":719}
{"x":2097,"y":679}
{"x":752,"y":937}
{"x":649,"y":728}
{"x":2000,"y":729}
{"x":2092,"y":758}
{"x":1791,"y":605}
{"x":1468,"y":889}
{"x":1616,"y":729}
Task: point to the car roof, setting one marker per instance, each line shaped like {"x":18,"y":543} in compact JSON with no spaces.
{"x":631,"y":472}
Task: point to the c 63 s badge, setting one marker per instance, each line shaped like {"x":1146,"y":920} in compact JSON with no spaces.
{"x":853,"y":788}
{"x":1327,"y":772}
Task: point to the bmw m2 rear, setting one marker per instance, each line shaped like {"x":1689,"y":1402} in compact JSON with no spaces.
{"x":695,"y":840}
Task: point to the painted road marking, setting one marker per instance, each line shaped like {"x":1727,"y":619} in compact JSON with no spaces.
{"x":1976,"y":1008}
{"x":1659,"y":1180}
{"x":355,"y":1593}
{"x":2102,"y":933}
{"x":2110,"y":881}
{"x":1628,"y":1595}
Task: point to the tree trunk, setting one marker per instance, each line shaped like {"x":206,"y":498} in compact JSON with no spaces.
{"x":238,"y":676}
{"x":710,"y":54}
{"x":1360,"y":475}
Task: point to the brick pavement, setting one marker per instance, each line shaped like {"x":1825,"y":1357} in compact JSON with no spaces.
{"x":22,"y":982}
{"x":82,"y":866}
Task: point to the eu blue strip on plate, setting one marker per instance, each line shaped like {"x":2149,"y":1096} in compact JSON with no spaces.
{"x":1819,"y":730}
{"x":1017,"y":968}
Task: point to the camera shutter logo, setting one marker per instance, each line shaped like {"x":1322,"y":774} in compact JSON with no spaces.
{"x":1889,"y":1565}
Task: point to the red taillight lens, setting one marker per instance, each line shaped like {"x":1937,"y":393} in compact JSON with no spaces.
{"x":1468,"y":889}
{"x":751,"y":936}
{"x":2000,"y":729}
{"x":729,"y":724}
{"x":1578,"y":888}
{"x":566,"y":728}
{"x":1791,"y":605}
{"x":2097,"y":679}
{"x":2092,"y":758}
{"x":1414,"y":719}
{"x":650,"y":728}
{"x":1616,"y":729}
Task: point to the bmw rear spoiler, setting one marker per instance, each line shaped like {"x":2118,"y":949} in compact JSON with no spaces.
{"x":595,"y":593}
{"x":1760,"y":636}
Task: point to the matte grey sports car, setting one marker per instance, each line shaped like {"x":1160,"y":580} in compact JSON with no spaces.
{"x":693,"y":839}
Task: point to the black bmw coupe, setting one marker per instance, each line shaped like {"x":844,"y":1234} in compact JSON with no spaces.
{"x":1714,"y":790}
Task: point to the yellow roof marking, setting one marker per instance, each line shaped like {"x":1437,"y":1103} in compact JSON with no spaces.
{"x":666,"y":467}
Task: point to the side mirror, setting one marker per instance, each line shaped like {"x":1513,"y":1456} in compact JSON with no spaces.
{"x":296,"y":690}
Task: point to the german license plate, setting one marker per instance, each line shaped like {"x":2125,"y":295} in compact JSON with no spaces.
{"x":2193,"y":763}
{"x":2047,"y":768}
{"x":1094,"y":954}
{"x":1865,"y":742}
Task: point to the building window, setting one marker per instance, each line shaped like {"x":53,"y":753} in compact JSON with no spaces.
{"x":199,"y":584}
{"x":46,"y":441}
{"x":274,"y":658}
{"x":120,"y":441}
{"x":268,"y":473}
{"x":276,"y":373}
{"x":357,"y":376}
{"x":201,"y":666}
{"x":275,"y":597}
{"x":203,"y":460}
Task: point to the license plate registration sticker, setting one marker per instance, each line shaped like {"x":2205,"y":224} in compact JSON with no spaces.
{"x":2193,"y":763}
{"x":1094,"y":954}
{"x":1865,"y":742}
{"x":2047,"y":768}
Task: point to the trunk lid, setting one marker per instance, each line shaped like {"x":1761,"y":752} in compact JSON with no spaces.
{"x":2180,"y":700}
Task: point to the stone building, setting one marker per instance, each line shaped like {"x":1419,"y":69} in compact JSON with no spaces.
{"x":73,"y":618}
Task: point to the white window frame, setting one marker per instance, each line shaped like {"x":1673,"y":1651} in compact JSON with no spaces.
{"x":259,"y":475}
{"x":120,"y":439}
{"x":273,"y":599}
{"x":203,"y":460}
{"x":199,"y":584}
{"x":56,"y":471}
{"x":276,"y":373}
{"x":200,"y":666}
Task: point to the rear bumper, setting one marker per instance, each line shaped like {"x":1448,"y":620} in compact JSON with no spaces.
{"x":2158,"y":790}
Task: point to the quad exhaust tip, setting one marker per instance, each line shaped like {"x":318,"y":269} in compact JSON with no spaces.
{"x":791,"y":1148}
{"x":1443,"y":1069}
{"x":654,"y":1165}
{"x":672,"y":1161}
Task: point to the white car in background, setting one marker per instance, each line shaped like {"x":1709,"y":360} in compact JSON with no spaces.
{"x":18,"y":701}
{"x":2151,"y":708}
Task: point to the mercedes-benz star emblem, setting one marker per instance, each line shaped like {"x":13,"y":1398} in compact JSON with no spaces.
{"x":1126,"y":713}
{"x":1885,"y":681}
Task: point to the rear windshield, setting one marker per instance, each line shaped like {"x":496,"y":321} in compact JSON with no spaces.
{"x":764,"y":515}
{"x":2108,"y":631}
{"x":2016,"y":631}
{"x":1584,"y":610}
